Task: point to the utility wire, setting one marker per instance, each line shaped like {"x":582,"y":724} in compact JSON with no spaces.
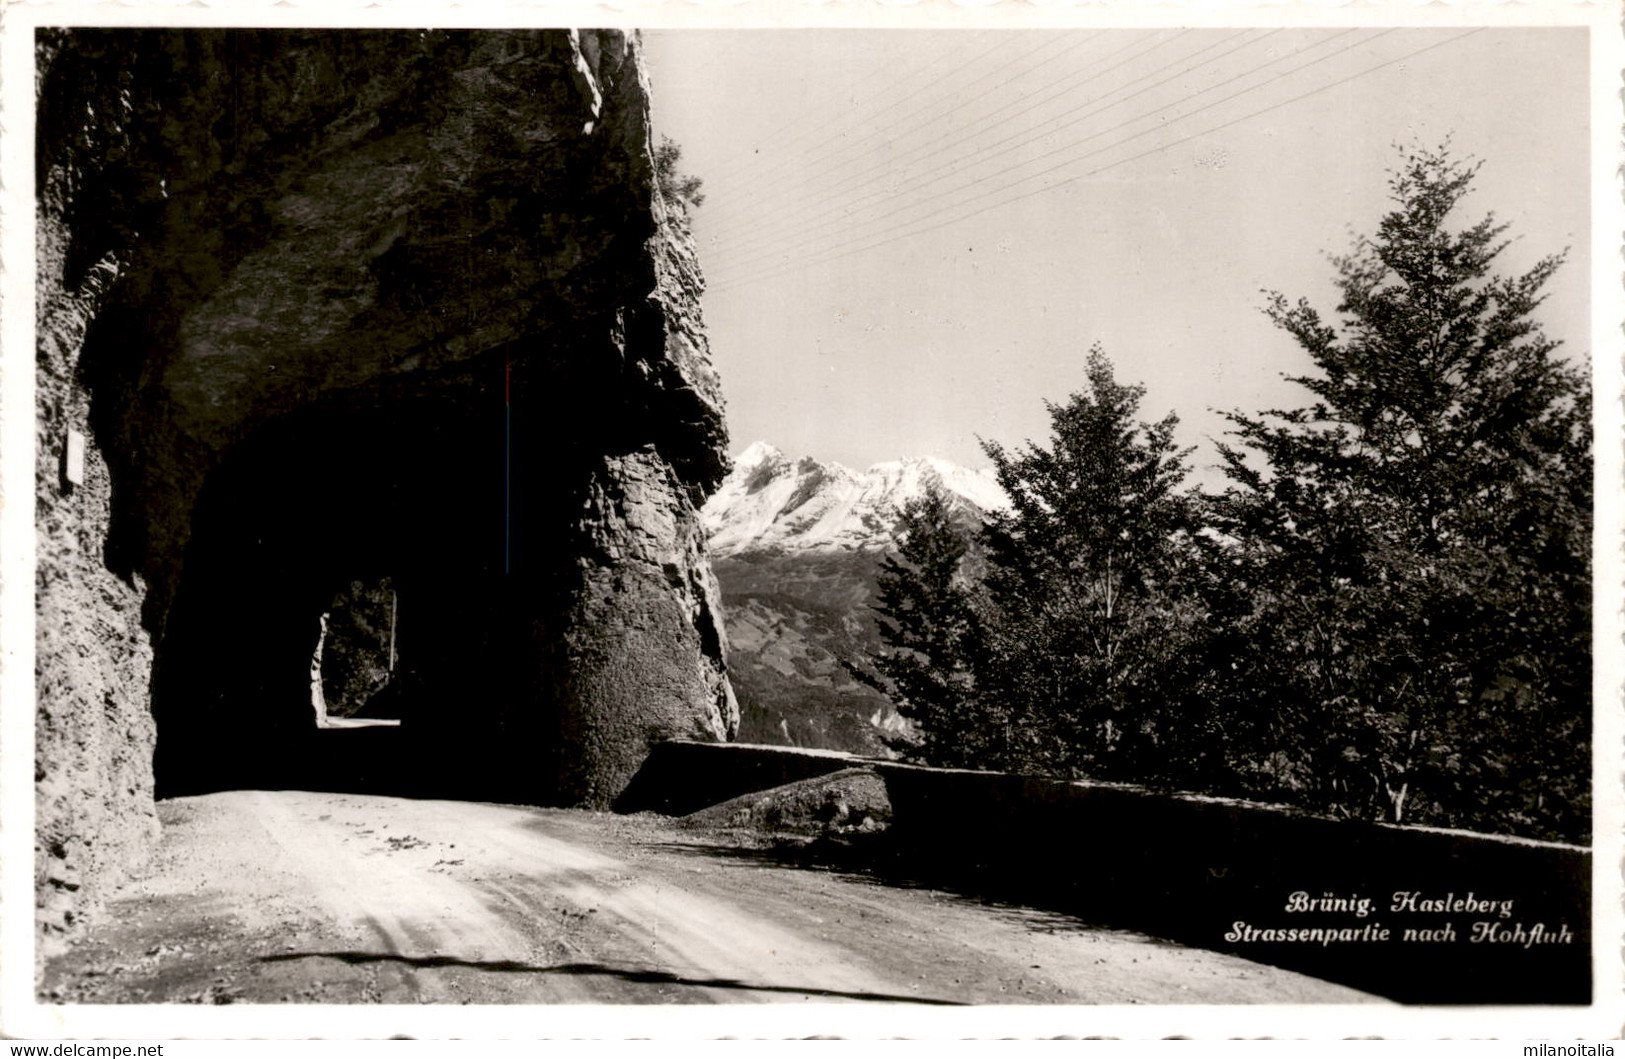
{"x":961,"y":163}
{"x":917,"y":203}
{"x":742,"y":221}
{"x":827,"y":104}
{"x":1033,"y":105}
{"x":728,"y":173}
{"x":1104,"y":168}
{"x":762,"y":189}
{"x":852,"y":124}
{"x":909,"y":156}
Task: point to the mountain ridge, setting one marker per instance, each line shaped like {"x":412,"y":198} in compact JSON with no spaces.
{"x":797,"y":546}
{"x":769,"y":502}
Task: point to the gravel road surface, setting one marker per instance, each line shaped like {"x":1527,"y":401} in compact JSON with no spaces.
{"x":298,"y":897}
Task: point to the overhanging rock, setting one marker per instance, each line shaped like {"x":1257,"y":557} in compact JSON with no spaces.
{"x":337,"y":306}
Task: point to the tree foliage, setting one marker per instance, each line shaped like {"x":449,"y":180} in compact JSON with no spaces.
{"x":1385,"y":615}
{"x":1416,"y":541}
{"x":933,"y":635}
{"x":676,"y":186}
{"x":1064,"y":655}
{"x":1085,"y":578}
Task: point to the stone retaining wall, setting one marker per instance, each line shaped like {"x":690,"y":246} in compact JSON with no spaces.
{"x":1221,"y":874}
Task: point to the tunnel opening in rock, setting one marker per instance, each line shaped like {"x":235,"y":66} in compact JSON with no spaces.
{"x":355,"y":656}
{"x":364,"y":549}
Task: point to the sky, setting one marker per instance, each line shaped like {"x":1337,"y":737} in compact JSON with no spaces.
{"x":912,"y":238}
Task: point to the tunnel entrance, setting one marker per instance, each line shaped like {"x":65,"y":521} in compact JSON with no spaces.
{"x":356,"y":562}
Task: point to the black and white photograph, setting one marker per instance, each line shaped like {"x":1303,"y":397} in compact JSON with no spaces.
{"x":915,"y":522}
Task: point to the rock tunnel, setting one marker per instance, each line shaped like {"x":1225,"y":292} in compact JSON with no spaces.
{"x":479,"y":498}
{"x":321,"y":309}
{"x":466,"y":512}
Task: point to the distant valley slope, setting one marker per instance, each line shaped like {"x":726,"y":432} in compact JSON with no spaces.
{"x":796,"y":546}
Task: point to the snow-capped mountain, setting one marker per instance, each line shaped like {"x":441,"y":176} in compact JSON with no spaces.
{"x":769,"y":503}
{"x":796,"y":547}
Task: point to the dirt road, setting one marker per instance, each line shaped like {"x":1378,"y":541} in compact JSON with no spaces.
{"x":264,"y":897}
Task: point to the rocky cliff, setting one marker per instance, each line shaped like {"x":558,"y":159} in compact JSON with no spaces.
{"x":330,"y":307}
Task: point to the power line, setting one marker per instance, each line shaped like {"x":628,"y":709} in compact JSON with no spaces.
{"x":897,"y":101}
{"x":914,"y":205}
{"x":918,"y":203}
{"x":727,"y":226}
{"x":1113,"y":165}
{"x":890,"y":91}
{"x":1034,"y":134}
{"x":831,"y":192}
{"x":760,"y":190}
{"x":1035,"y":104}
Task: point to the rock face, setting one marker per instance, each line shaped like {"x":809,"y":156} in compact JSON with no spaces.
{"x":340,"y":306}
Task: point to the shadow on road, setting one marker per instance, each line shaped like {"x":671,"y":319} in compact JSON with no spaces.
{"x":1152,"y":892}
{"x":869,"y":860}
{"x":643,"y":977}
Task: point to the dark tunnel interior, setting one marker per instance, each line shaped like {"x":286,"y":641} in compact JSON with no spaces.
{"x":460,"y":500}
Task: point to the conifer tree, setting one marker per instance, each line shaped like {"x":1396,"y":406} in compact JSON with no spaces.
{"x":929,"y":624}
{"x":1415,"y":542}
{"x":1086,"y":581}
